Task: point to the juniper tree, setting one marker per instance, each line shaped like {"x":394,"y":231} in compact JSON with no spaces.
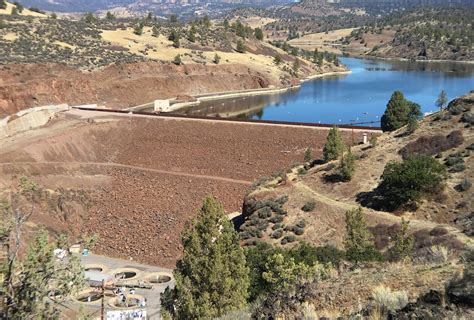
{"x":296,"y":66}
{"x":212,"y":276}
{"x":308,"y":155}
{"x":357,"y":239}
{"x":155,"y":31}
{"x":138,"y":29}
{"x":277,"y":59}
{"x":217,"y":58}
{"x":403,"y":243}
{"x":442,"y":100}
{"x":412,"y":125}
{"x":192,"y":34}
{"x":177,"y":60}
{"x":240,"y":46}
{"x":347,"y":166}
{"x":18,"y":6}
{"x":173,"y":18}
{"x":258,"y":34}
{"x":334,"y":146}
{"x":410,"y":180}
{"x":283,"y":272}
{"x":89,"y":18}
{"x":110,"y":16}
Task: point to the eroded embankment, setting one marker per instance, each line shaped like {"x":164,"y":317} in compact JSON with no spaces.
{"x":118,"y":86}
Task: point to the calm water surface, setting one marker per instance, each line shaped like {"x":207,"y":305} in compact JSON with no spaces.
{"x":359,"y":97}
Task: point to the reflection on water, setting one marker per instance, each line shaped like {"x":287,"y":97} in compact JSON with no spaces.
{"x":251,"y":107}
{"x":360,"y":97}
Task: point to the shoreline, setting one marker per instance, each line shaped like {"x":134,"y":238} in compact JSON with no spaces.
{"x":251,"y":92}
{"x":365,"y":56}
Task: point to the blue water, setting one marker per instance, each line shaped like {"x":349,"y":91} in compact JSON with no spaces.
{"x":359,"y":97}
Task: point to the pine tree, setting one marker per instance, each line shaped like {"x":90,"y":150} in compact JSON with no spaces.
{"x":3,"y":4}
{"x":347,"y":166}
{"x":398,"y":111}
{"x":212,"y":277}
{"x":403,"y":244}
{"x":442,"y":100}
{"x":308,"y":155}
{"x":334,"y":146}
{"x":357,"y":240}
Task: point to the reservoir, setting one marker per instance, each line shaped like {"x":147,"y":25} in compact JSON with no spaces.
{"x":359,"y":97}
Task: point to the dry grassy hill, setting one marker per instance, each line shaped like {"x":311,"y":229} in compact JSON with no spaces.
{"x":444,"y":219}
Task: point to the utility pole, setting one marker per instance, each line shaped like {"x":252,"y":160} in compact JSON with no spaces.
{"x":352,"y":132}
{"x":102,"y":315}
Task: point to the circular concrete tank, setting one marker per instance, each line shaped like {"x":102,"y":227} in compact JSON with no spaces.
{"x":89,"y":296}
{"x":95,"y":267}
{"x":159,"y":278}
{"x":125,"y":274}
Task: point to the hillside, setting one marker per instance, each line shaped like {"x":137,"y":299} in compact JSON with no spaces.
{"x":182,"y":8}
{"x":310,"y":205}
{"x":420,"y":31}
{"x":158,"y":59}
{"x":428,"y":34}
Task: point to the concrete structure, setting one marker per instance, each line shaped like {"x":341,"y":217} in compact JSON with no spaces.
{"x":29,"y":119}
{"x":365,"y":137}
{"x":162,"y":106}
{"x":147,"y":281}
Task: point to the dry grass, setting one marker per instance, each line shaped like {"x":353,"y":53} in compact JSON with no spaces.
{"x":390,"y":300}
{"x":321,"y":41}
{"x":162,"y":49}
{"x":254,"y":21}
{"x":11,"y":36}
{"x":25,"y":11}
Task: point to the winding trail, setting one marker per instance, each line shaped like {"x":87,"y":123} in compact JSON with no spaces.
{"x":414,"y":223}
{"x":125,"y":166}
